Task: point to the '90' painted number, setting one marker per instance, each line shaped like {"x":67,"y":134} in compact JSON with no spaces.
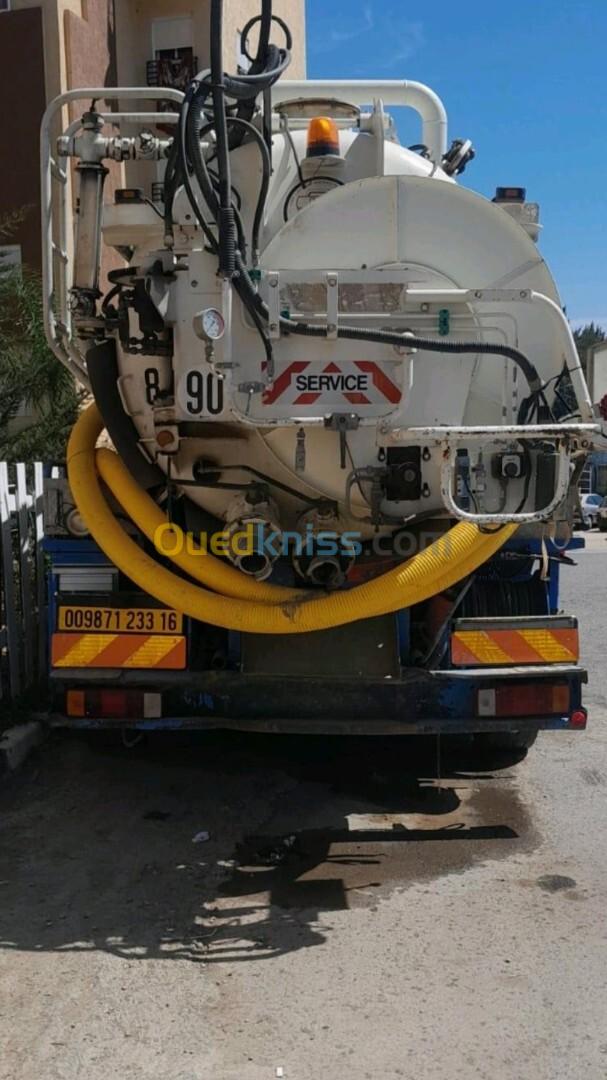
{"x":202,"y":394}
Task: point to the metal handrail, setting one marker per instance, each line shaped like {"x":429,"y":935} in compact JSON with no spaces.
{"x":57,"y":315}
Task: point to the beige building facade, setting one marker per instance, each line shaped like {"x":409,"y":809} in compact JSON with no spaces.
{"x":49,"y":46}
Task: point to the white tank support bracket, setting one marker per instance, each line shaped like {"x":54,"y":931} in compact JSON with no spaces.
{"x":332,"y":279}
{"x":274,"y":304}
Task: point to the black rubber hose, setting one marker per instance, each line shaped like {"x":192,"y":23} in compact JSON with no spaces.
{"x":206,"y":186}
{"x":208,"y":183}
{"x":202,"y":171}
{"x":246,"y":109}
{"x":225,"y":219}
{"x":196,"y":127}
{"x":266,"y":166}
{"x":385,"y":337}
{"x":231,"y":263}
{"x":184,"y":168}
{"x":170,"y":187}
{"x":247,"y":86}
{"x":265,"y":19}
{"x":102,"y":366}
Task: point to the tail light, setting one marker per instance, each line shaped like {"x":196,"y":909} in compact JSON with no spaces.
{"x":579,"y":719}
{"x":525,"y":699}
{"x":113,"y":704}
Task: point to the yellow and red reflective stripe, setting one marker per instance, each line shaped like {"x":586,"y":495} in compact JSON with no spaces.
{"x":160,"y":651}
{"x":497,"y":648}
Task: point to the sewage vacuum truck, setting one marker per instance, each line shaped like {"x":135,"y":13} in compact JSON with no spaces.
{"x":337,"y":482}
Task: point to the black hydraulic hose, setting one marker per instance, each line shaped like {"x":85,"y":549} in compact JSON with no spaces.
{"x":185,"y":172}
{"x":265,"y":20}
{"x":353,"y":333}
{"x":195,"y":129}
{"x":258,"y":320}
{"x":218,"y":97}
{"x":231,"y":262}
{"x":170,"y":188}
{"x":266,"y":166}
{"x":263,"y":43}
{"x":208,"y":193}
{"x":207,"y":180}
{"x":203,"y":174}
{"x":269,"y":64}
{"x":385,"y":337}
{"x":247,"y":86}
{"x":102,"y":367}
{"x":246,"y":109}
{"x":225,"y":222}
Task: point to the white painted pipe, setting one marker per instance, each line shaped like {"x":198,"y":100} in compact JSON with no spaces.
{"x":61,"y":342}
{"x":399,"y":92}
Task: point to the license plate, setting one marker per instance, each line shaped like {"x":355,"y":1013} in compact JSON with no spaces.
{"x":120,"y":620}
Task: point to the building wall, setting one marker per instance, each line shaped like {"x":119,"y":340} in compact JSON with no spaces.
{"x":136,"y":37}
{"x":22,"y":102}
{"x":134,"y":20}
{"x":90,"y":45}
{"x":48,"y":46}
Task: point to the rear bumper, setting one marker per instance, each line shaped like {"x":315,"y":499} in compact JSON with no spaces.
{"x":420,"y":702}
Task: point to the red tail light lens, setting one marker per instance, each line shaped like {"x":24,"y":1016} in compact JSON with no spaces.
{"x":579,"y":719}
{"x":113,"y":704}
{"x":527,"y":699}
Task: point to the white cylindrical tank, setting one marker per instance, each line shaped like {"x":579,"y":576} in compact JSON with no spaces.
{"x":386,"y":224}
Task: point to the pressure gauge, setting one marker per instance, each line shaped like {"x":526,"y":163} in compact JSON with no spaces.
{"x":209,"y":325}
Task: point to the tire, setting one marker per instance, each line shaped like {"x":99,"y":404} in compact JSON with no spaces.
{"x":508,"y":740}
{"x":503,"y":749}
{"x":492,"y":750}
{"x":602,"y":525}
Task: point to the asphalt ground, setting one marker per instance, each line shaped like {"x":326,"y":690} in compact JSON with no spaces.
{"x":357,"y":911}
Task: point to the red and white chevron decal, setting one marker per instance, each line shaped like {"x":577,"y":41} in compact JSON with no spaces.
{"x":359,"y":382}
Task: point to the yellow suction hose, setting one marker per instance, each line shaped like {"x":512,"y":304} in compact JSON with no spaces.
{"x":461,"y":551}
{"x":218,"y":574}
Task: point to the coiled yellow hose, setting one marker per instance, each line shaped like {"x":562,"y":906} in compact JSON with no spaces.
{"x":218,"y":574}
{"x":461,"y":551}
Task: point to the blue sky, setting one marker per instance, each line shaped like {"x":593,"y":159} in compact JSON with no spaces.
{"x":527,"y":82}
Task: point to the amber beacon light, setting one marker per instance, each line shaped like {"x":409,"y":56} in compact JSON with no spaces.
{"x":323,"y":137}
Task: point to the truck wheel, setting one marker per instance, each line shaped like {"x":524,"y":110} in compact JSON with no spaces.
{"x":507,"y":740}
{"x":602,"y":525}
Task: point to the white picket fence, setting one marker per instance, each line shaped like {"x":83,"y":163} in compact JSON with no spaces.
{"x":22,"y":580}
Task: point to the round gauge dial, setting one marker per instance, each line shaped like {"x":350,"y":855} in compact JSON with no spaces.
{"x":213,"y":324}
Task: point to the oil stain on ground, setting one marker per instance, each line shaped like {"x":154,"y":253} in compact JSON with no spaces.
{"x":403,"y":830}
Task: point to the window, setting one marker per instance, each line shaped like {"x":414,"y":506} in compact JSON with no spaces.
{"x":174,"y":34}
{"x":5,"y":5}
{"x":173,"y":63}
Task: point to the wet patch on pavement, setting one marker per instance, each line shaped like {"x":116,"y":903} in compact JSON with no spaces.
{"x":355,"y":862}
{"x":99,"y":849}
{"x":556,"y":883}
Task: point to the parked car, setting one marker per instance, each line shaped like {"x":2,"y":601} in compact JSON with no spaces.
{"x":602,"y":516}
{"x":588,"y":514}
